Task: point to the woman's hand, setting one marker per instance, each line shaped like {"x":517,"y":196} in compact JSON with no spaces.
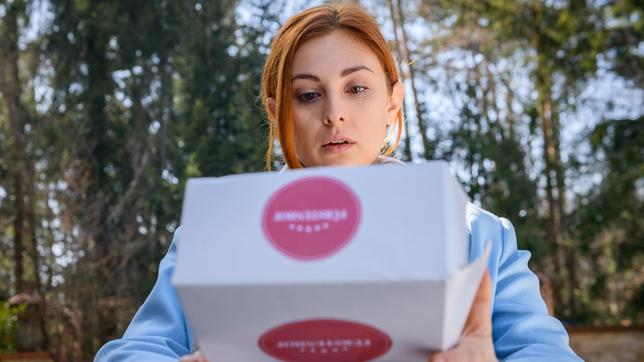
{"x":476,"y":341}
{"x":194,"y":357}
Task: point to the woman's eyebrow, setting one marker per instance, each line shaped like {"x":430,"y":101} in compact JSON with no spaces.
{"x":306,"y":76}
{"x":344,"y":73}
{"x":348,"y":71}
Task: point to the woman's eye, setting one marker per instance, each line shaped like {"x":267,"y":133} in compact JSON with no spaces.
{"x":357,"y":89}
{"x":307,"y":97}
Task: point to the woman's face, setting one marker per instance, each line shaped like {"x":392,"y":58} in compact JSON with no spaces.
{"x":342,"y":105}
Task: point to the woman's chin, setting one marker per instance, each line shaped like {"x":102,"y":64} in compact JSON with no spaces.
{"x":344,"y":160}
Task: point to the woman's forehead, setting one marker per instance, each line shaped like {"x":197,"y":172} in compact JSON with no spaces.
{"x":331,"y":54}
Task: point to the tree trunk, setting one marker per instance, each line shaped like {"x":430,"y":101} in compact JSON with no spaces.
{"x":95,"y":221}
{"x":32,"y":324}
{"x":511,"y":117}
{"x":33,"y":252}
{"x":18,"y":230}
{"x":428,"y":149}
{"x":11,"y":93}
{"x":407,"y":146}
{"x":555,"y":188}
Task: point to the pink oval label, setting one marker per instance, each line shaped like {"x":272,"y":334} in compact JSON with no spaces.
{"x":324,"y":340}
{"x":311,"y":218}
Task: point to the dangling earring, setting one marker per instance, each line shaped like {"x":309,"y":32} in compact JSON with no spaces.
{"x":387,"y":132}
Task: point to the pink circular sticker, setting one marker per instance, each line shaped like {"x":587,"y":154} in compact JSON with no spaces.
{"x":324,"y":340}
{"x":311,"y":218}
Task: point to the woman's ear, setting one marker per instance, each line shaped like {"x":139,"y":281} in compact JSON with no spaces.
{"x":395,"y":102}
{"x":270,"y":104}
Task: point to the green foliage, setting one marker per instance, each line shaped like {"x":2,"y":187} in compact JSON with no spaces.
{"x":608,"y":218}
{"x":562,"y":47}
{"x":624,"y":33}
{"x":143,"y":96}
{"x":9,"y":325}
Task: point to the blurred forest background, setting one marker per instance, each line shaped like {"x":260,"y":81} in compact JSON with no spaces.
{"x":107,"y":107}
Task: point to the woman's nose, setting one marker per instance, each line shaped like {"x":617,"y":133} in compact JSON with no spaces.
{"x":334,"y":112}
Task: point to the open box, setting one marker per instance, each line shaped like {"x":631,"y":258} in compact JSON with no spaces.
{"x":327,"y":264}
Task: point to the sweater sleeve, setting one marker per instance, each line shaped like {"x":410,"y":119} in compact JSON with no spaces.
{"x":522,"y":328}
{"x":158,"y":331}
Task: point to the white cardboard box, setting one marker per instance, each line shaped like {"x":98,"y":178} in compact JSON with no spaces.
{"x":326,"y":264}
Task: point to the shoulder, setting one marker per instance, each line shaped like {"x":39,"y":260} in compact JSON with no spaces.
{"x":389,"y":161}
{"x":485,"y":227}
{"x":176,"y":238}
{"x":479,"y":220}
{"x":169,"y":259}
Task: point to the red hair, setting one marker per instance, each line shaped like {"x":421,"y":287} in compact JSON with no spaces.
{"x":315,"y":22}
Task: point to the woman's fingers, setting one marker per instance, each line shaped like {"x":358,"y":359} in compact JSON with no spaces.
{"x":478,"y":320}
{"x":476,"y":341}
{"x":194,"y":357}
{"x":471,"y":349}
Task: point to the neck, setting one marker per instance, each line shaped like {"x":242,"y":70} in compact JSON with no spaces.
{"x":378,"y":160}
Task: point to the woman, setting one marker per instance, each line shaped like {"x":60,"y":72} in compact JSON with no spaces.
{"x":333,"y":97}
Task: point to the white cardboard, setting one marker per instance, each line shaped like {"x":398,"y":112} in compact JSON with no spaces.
{"x":404,"y":271}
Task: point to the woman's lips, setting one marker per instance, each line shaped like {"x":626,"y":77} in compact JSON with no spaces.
{"x":337,"y":147}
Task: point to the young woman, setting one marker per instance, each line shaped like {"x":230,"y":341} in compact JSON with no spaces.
{"x":333,"y":97}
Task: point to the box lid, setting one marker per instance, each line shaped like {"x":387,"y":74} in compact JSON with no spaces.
{"x":324,"y":225}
